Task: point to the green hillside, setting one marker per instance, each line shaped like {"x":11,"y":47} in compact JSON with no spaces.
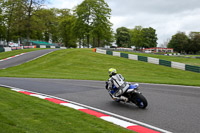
{"x":87,"y":65}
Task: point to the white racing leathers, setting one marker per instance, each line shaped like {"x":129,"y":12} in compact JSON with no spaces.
{"x":118,"y":81}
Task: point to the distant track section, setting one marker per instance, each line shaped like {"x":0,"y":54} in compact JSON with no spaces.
{"x":22,"y":58}
{"x":12,"y":57}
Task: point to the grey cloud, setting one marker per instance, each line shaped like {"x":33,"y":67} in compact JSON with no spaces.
{"x":125,"y":7}
{"x":166,"y":16}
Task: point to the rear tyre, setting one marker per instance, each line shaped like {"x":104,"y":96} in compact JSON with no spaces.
{"x":139,"y":100}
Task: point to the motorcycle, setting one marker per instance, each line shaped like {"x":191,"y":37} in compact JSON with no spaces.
{"x":132,"y":93}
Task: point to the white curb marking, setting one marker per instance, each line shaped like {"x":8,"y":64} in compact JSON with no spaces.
{"x":12,"y":57}
{"x":72,"y":106}
{"x":117,"y":121}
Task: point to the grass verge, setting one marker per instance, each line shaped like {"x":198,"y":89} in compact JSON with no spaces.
{"x":20,"y":113}
{"x":86,"y":65}
{"x":4,"y":55}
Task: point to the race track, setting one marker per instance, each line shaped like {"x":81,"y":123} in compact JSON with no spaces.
{"x":173,"y":108}
{"x":24,"y":58}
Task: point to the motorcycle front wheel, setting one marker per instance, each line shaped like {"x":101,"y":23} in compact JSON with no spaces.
{"x":139,"y":100}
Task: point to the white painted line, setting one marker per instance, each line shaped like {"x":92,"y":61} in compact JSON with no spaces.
{"x":39,"y":96}
{"x":15,"y":90}
{"x":117,"y":121}
{"x":171,"y":85}
{"x":72,"y":106}
{"x":9,"y":58}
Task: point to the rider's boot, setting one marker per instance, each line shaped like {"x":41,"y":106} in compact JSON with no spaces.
{"x":122,"y":98}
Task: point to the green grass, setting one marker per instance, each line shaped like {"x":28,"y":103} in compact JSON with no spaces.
{"x":21,"y":113}
{"x":86,"y":65}
{"x":4,"y":55}
{"x":191,"y":55}
{"x":189,"y":61}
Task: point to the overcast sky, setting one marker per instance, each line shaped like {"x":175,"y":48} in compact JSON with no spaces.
{"x":167,"y":17}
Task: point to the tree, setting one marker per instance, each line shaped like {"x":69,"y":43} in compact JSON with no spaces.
{"x":123,"y":37}
{"x":8,"y":9}
{"x":136,"y":37}
{"x":18,"y":17}
{"x":45,"y":25}
{"x":143,"y":37}
{"x":101,"y":26}
{"x":149,"y":38}
{"x":179,"y":42}
{"x":31,"y":6}
{"x":194,"y":42}
{"x":93,"y":20}
{"x":84,"y":18}
{"x":66,"y":25}
{"x":2,"y":25}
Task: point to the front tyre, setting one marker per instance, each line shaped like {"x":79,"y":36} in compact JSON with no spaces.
{"x":139,"y":100}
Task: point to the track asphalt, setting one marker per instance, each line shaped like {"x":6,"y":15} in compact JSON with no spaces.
{"x":170,"y":107}
{"x":173,"y":108}
{"x":23,"y":58}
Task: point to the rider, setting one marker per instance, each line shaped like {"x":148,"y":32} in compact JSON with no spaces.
{"x":117,"y":81}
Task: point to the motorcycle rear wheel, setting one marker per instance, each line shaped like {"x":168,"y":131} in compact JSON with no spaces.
{"x":139,"y":100}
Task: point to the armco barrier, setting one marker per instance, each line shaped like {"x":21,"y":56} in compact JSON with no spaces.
{"x":48,"y":46}
{"x":142,"y":58}
{"x":43,"y":46}
{"x":109,"y":52}
{"x":153,"y":60}
{"x":165,"y":63}
{"x":178,"y":65}
{"x":63,"y":48}
{"x":123,"y":55}
{"x":5,"y":49}
{"x":116,"y":53}
{"x":172,"y":64}
{"x":101,"y":51}
{"x":2,"y":49}
{"x":192,"y":68}
{"x":133,"y":57}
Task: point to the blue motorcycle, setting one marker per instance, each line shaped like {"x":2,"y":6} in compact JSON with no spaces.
{"x":132,"y":93}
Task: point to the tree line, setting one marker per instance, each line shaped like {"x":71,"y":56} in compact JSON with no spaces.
{"x":185,"y":44}
{"x":87,"y":24}
{"x":139,"y":37}
{"x":147,"y":38}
